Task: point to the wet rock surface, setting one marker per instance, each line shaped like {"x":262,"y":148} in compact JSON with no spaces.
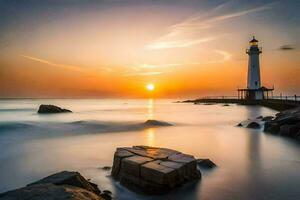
{"x":267,"y":118}
{"x":153,"y":170}
{"x":68,"y":178}
{"x":64,"y":185}
{"x":50,"y":192}
{"x":254,"y":125}
{"x":51,"y":109}
{"x":285,"y":123}
{"x":152,"y":122}
{"x":106,"y":168}
{"x":206,"y":163}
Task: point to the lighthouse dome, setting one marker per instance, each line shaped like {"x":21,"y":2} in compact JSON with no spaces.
{"x":253,"y":42}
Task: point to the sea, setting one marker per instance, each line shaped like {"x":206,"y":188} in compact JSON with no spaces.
{"x":251,"y":164}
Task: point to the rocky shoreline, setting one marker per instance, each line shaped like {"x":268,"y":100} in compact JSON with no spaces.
{"x":285,"y":123}
{"x":150,"y":170}
{"x":65,"y":185}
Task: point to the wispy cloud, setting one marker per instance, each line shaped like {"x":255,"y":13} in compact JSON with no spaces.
{"x":146,"y":69}
{"x":64,"y":66}
{"x":183,"y":34}
{"x":177,"y":44}
{"x":68,"y":67}
{"x":139,"y":67}
{"x":241,"y":13}
{"x":226,"y":55}
{"x":144,"y":73}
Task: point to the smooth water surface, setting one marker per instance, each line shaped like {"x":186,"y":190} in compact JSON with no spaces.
{"x":251,"y":164}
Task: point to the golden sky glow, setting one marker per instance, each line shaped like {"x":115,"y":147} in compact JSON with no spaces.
{"x":114,"y":49}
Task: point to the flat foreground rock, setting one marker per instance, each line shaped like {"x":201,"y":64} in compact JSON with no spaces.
{"x":50,"y":192}
{"x":64,"y":185}
{"x":153,"y":170}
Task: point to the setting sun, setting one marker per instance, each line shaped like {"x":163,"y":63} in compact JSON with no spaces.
{"x":150,"y":87}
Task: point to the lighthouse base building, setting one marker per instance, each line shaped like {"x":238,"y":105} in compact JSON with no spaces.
{"x":254,"y":90}
{"x":255,"y":94}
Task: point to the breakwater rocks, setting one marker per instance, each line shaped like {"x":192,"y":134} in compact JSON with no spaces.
{"x":51,"y":109}
{"x":286,"y":123}
{"x":64,"y":185}
{"x":153,"y":170}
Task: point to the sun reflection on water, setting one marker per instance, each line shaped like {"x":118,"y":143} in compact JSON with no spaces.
{"x":150,"y":109}
{"x":150,"y":137}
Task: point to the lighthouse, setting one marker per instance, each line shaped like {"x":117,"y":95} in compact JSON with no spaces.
{"x":254,"y":90}
{"x":253,"y":82}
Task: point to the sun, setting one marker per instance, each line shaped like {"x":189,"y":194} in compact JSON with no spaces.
{"x":150,"y":87}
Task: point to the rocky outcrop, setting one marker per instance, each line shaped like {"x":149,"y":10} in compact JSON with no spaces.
{"x":106,"y":168}
{"x":69,"y":178}
{"x":64,"y":185}
{"x":153,"y":170}
{"x":51,"y":192}
{"x":51,"y":109}
{"x":286,"y":123}
{"x":254,"y":125}
{"x":239,"y":125}
{"x":152,"y":122}
{"x":206,"y":163}
{"x":267,"y":118}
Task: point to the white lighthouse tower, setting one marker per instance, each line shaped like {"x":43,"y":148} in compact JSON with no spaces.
{"x":254,"y":90}
{"x":253,"y":82}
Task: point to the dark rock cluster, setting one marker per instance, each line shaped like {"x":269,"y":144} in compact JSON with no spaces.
{"x":206,"y":163}
{"x":252,"y":124}
{"x":64,"y":185}
{"x":153,"y":170}
{"x":256,"y":123}
{"x":286,"y":123}
{"x":50,"y":109}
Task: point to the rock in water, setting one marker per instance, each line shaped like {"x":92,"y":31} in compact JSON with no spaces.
{"x":50,"y":192}
{"x":69,"y":178}
{"x":153,"y":170}
{"x":60,"y":186}
{"x":206,"y":163}
{"x":106,"y":168}
{"x":49,"y":109}
{"x":240,"y":125}
{"x":254,"y":125}
{"x":152,"y":122}
{"x":286,"y":123}
{"x":267,"y":118}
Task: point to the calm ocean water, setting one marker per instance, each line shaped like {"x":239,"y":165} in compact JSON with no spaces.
{"x":252,"y":164}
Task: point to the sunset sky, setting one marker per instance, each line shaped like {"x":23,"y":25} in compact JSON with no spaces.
{"x":114,"y":48}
